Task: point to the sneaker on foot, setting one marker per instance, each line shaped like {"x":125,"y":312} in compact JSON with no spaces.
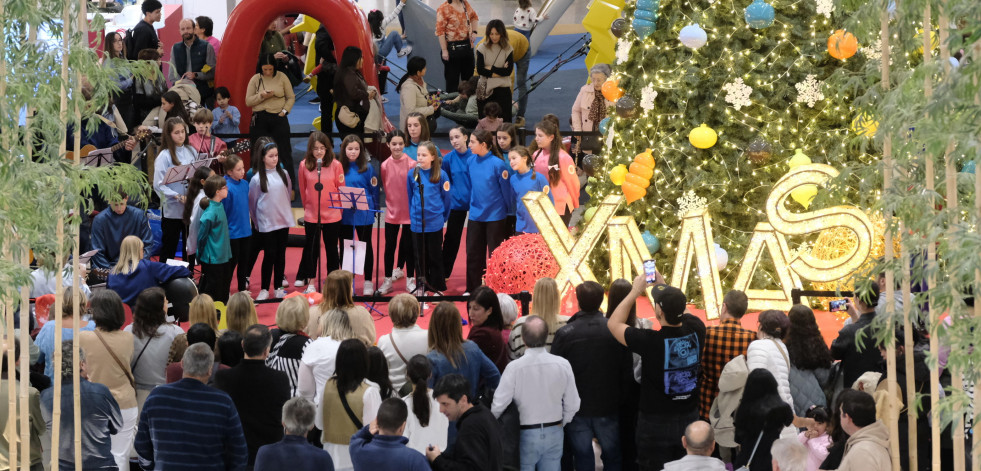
{"x":410,"y":285}
{"x":263,"y":295}
{"x":369,"y":288}
{"x":310,"y":289}
{"x":384,"y":100}
{"x":519,"y":122}
{"x":299,"y":283}
{"x":246,"y":282}
{"x":405,"y":50}
{"x":397,"y":274}
{"x":386,"y":285}
{"x":285,"y":283}
{"x":280,"y":293}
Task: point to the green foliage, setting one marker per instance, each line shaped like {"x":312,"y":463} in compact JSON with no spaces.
{"x":37,"y":185}
{"x":689,"y":85}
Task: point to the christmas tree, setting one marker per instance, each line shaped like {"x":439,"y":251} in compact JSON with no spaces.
{"x":754,"y":74}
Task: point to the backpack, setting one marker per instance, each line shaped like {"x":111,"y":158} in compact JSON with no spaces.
{"x":130,"y":41}
{"x":722,"y":415}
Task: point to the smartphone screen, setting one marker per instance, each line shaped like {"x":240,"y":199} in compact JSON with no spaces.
{"x":650,"y":269}
{"x":837,"y":305}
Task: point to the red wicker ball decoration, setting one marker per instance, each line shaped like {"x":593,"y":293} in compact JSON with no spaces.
{"x":518,"y":263}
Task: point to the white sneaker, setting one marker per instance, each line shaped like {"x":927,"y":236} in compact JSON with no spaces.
{"x":310,"y":289}
{"x":280,"y":293}
{"x":410,"y":285}
{"x":285,"y":283}
{"x":397,"y":274}
{"x":384,"y":99}
{"x":263,"y":295}
{"x":386,"y":285}
{"x":369,"y":288}
{"x":299,"y":283}
{"x":405,"y":50}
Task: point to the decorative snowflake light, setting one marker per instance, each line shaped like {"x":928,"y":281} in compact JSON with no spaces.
{"x":809,"y":91}
{"x":623,"y":49}
{"x":690,"y":202}
{"x":737,"y":93}
{"x":825,"y":7}
{"x":647,"y":96}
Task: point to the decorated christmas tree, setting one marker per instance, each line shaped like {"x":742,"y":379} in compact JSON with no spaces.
{"x":728,"y":95}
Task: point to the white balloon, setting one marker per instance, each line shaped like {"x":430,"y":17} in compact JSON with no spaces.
{"x":693,"y":36}
{"x":721,"y":257}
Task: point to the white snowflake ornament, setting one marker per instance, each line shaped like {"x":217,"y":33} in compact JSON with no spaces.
{"x":737,"y":93}
{"x":809,"y":91}
{"x":690,"y":202}
{"x":647,"y":96}
{"x":825,"y":7}
{"x":624,"y":46}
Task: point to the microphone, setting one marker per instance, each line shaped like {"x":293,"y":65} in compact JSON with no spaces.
{"x":319,"y":163}
{"x":416,"y":173}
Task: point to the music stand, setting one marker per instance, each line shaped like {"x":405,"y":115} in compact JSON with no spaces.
{"x":347,"y":197}
{"x":98,"y":158}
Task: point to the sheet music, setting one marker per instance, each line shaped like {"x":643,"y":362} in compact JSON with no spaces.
{"x":98,"y":158}
{"x":354,"y":252}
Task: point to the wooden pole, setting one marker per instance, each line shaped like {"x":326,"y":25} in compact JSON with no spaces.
{"x":891,"y":416}
{"x":976,"y":445}
{"x":11,"y":429}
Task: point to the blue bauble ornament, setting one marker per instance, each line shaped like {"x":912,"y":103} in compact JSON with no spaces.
{"x":649,"y":15}
{"x":969,"y":167}
{"x":643,"y":28}
{"x":604,"y":125}
{"x":759,"y":14}
{"x":651,"y":241}
{"x":650,"y":5}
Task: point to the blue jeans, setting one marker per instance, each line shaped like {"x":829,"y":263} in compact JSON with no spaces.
{"x":659,"y":438}
{"x":521,"y":80}
{"x":541,"y":449}
{"x":393,"y":40}
{"x":580,"y":433}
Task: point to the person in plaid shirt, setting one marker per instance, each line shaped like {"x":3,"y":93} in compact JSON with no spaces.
{"x":723,"y":343}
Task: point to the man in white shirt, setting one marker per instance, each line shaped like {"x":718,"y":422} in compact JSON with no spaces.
{"x":543,"y":387}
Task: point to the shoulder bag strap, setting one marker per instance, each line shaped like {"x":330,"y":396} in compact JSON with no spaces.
{"x":350,"y":413}
{"x":137,"y":361}
{"x":129,"y":375}
{"x":748,"y":463}
{"x":782,"y":353}
{"x":397,"y":351}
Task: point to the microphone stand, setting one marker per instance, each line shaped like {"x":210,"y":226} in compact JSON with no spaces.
{"x":319,"y":186}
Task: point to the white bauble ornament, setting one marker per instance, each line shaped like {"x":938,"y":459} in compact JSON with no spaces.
{"x":693,"y":36}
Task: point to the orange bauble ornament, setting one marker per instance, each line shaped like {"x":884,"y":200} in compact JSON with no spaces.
{"x":632,"y":192}
{"x":611,"y":90}
{"x":638,"y":180}
{"x":842,"y":44}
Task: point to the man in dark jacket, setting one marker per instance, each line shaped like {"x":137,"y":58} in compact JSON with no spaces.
{"x":600,"y":366}
{"x":144,"y":36}
{"x":294,"y":452}
{"x":194,"y":59}
{"x":478,"y":439}
{"x":380,"y":446}
{"x":258,"y":391}
{"x":856,"y":360}
{"x":324,"y":47}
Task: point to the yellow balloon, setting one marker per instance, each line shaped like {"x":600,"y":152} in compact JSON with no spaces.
{"x":804,"y":195}
{"x":703,"y":137}
{"x":798,"y":159}
{"x":618,"y":174}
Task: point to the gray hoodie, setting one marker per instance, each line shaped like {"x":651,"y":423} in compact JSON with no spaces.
{"x":696,"y":463}
{"x":867,"y":450}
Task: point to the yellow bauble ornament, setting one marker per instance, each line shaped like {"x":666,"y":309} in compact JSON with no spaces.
{"x":804,"y":195}
{"x":865,"y":125}
{"x":798,"y":159}
{"x":618,"y":174}
{"x":703,"y":137}
{"x":934,"y":40}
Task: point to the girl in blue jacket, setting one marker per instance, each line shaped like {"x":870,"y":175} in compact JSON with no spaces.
{"x":236,"y":205}
{"x":435,"y":193}
{"x":525,"y":179}
{"x":359,"y":174}
{"x":456,"y":170}
{"x":491,"y":198}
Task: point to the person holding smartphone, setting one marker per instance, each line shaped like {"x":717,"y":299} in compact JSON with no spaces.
{"x":671,"y":366}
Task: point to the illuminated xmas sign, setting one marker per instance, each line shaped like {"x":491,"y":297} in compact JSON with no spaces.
{"x":628,"y":250}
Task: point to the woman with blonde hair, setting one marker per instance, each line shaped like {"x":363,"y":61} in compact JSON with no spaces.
{"x":133,"y":273}
{"x":241,"y":312}
{"x":337,"y":294}
{"x":288,"y":340}
{"x":45,"y":338}
{"x":202,"y":309}
{"x":450,"y":353}
{"x":317,"y":363}
{"x":545,"y":303}
{"x":406,"y":340}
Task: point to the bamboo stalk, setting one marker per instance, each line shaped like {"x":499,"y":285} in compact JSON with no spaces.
{"x":911,"y":412}
{"x":934,"y":315}
{"x":976,"y":445}
{"x":887,"y":176}
{"x":83,"y":32}
{"x":12,"y":423}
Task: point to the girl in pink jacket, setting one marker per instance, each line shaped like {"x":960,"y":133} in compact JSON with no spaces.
{"x":816,"y":438}
{"x":394,"y":171}
{"x":553,"y":161}
{"x":319,"y":166}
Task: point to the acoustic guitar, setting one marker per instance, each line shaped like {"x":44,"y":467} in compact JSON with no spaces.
{"x":141,"y":135}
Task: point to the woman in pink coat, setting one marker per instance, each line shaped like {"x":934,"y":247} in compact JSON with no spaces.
{"x":590,"y":108}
